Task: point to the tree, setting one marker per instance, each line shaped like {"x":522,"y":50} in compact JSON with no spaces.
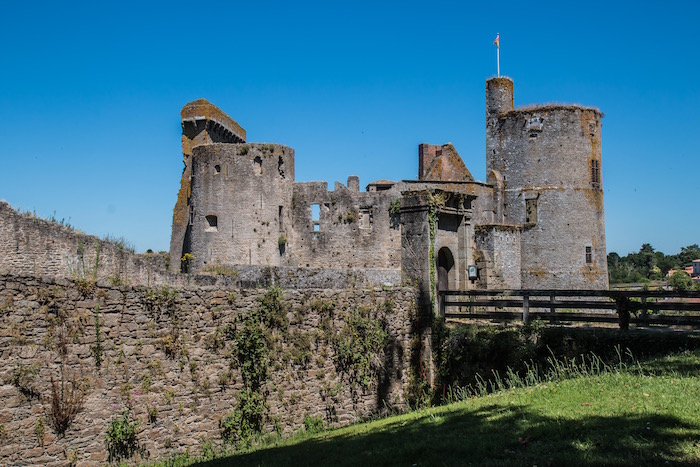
{"x":688,"y":254}
{"x":680,"y":281}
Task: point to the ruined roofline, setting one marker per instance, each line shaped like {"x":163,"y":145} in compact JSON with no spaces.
{"x":551,"y":106}
{"x":202,"y":109}
{"x":447,"y":182}
{"x":261,"y":146}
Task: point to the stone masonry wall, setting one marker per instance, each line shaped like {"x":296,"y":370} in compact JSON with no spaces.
{"x":166,"y":350}
{"x":36,"y":247}
{"x":33,"y":246}
{"x":498,"y":252}
{"x":241,"y":197}
{"x":354,"y":229}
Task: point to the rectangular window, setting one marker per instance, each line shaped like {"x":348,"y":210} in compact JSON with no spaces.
{"x":531,"y":211}
{"x":316,"y":217}
{"x":366,"y":218}
{"x":595,"y":174}
{"x":589,"y":254}
{"x":279,"y":219}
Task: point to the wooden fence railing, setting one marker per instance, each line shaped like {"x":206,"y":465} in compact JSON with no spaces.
{"x":625,"y":307}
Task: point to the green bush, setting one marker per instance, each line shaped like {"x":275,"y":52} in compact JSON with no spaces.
{"x":313,"y":424}
{"x":122,"y":442}
{"x":241,"y":426}
{"x":680,"y":281}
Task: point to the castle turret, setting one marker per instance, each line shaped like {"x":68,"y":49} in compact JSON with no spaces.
{"x":241,"y":204}
{"x":202,"y":123}
{"x":499,"y":99}
{"x":549,"y":159}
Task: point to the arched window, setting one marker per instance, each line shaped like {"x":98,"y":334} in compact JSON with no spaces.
{"x":257,"y":165}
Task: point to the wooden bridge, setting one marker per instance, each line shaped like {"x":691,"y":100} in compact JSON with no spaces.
{"x":624,"y":307}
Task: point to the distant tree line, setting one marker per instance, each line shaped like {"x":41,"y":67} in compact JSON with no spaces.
{"x":648,"y":264}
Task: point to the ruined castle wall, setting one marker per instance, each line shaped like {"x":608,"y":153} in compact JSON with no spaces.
{"x":550,"y":160}
{"x":498,"y":256}
{"x":483,"y":209}
{"x":241,"y":198}
{"x":353,"y":229}
{"x":33,"y":246}
{"x":415,"y":244}
{"x":165,"y":350}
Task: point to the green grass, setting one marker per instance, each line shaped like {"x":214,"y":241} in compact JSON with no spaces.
{"x":647,"y":414}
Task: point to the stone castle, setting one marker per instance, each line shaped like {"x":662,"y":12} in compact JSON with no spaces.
{"x":537,"y":222}
{"x":123,"y":328}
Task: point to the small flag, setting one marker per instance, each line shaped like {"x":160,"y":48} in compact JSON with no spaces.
{"x":495,"y":42}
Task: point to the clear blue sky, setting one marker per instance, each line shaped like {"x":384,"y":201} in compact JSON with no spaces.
{"x":91,"y":93}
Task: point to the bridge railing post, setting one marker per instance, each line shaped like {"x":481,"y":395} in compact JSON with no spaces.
{"x":552,"y":310}
{"x":526,"y":308}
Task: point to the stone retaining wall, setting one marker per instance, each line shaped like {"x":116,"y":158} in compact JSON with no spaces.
{"x":166,"y":349}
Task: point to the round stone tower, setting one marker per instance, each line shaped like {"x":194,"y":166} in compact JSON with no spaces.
{"x":499,"y":99}
{"x":549,"y":158}
{"x":241,"y":204}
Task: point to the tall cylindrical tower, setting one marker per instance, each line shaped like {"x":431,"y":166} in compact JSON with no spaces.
{"x":241,"y":204}
{"x":549,"y":158}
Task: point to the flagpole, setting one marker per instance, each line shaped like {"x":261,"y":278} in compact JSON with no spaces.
{"x":498,"y":54}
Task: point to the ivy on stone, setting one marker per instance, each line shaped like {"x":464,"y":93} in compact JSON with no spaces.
{"x":252,"y":339}
{"x":359,"y":345}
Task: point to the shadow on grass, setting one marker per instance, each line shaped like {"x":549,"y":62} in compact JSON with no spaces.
{"x":674,"y":366}
{"x":496,"y":436}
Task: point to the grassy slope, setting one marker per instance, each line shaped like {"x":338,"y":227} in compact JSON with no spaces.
{"x":614,"y":418}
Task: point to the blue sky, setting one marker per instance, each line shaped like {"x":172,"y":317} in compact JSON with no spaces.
{"x":91,"y":93}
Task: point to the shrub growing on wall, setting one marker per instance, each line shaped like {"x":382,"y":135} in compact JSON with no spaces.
{"x":252,"y":339}
{"x":122,"y":442}
{"x":359,"y":345}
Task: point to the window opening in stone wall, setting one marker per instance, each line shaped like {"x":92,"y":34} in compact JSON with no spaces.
{"x":595,"y":174}
{"x":217,"y":169}
{"x":592,"y":127}
{"x":279,"y":218}
{"x":280,"y":166}
{"x":531,"y":211}
{"x":191,"y":214}
{"x":589,"y":255}
{"x":212,"y":223}
{"x":257,"y":165}
{"x":366,"y":219}
{"x":535,"y":125}
{"x":316,"y":217}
